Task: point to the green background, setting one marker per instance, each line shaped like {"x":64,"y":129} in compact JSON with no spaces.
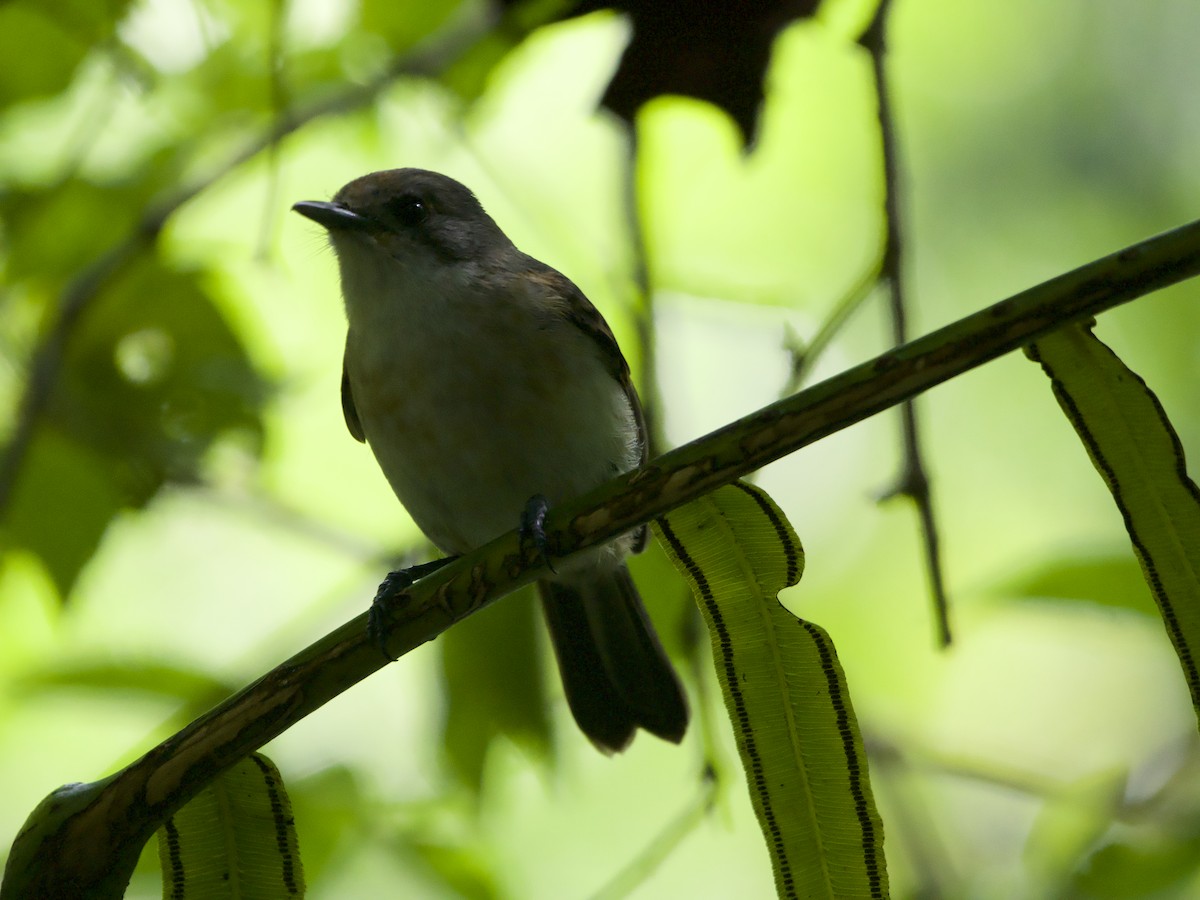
{"x":1050,"y":752}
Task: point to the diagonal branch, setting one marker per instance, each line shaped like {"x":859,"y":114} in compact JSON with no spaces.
{"x":913,"y":481}
{"x":85,"y":839}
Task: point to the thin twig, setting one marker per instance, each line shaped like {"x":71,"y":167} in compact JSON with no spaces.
{"x":913,"y":481}
{"x":654,"y":853}
{"x":804,"y":357}
{"x":643,"y":305}
{"x":47,"y":358}
{"x":84,"y":840}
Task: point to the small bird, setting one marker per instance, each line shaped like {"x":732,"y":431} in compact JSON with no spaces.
{"x":487,"y":385}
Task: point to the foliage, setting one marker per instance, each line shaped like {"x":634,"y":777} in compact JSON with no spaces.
{"x":187,"y":485}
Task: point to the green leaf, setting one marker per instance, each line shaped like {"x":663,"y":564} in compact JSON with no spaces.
{"x":152,"y":376}
{"x":403,"y":23}
{"x":786,"y":696}
{"x":40,"y":55}
{"x":1102,"y":579}
{"x":492,"y":669}
{"x":235,"y":839}
{"x":52,"y":231}
{"x":131,"y":676}
{"x":462,"y":869}
{"x":334,"y":810}
{"x":1128,"y":871}
{"x":1135,"y":449}
{"x":61,"y":505}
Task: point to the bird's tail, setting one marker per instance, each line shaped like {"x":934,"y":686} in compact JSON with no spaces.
{"x":615,"y":673}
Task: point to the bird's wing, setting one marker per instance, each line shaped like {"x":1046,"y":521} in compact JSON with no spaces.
{"x":348,"y":409}
{"x":569,"y":302}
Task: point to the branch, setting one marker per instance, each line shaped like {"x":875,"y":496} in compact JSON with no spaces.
{"x":85,"y":839}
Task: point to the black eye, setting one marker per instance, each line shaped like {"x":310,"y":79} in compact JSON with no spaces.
{"x":409,"y":209}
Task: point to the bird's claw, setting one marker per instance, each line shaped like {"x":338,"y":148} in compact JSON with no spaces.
{"x":533,"y":527}
{"x":393,"y":590}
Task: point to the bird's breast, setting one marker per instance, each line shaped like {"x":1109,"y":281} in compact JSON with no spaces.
{"x":472,"y":411}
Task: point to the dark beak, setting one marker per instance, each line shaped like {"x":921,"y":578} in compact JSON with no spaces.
{"x":333,"y":216}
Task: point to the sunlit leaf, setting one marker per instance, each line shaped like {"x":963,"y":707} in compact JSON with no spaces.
{"x":236,"y":839}
{"x":1136,"y":451}
{"x":786,"y":695}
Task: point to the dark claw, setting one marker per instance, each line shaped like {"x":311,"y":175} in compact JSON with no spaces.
{"x":392,"y":592}
{"x":533,"y":527}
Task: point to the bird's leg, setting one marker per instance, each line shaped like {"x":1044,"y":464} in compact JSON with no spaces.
{"x":533,"y":527}
{"x":391,"y":591}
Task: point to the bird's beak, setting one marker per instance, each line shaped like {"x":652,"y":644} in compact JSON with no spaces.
{"x":333,"y":216}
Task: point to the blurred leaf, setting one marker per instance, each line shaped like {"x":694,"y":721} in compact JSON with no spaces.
{"x":40,"y":55}
{"x":1136,"y":451}
{"x":153,"y":375}
{"x":460,"y":868}
{"x":330,"y":807}
{"x":1156,"y":869}
{"x":129,"y":675}
{"x":61,"y":505}
{"x":495,"y":685}
{"x":669,"y":602}
{"x":236,"y":839}
{"x":53,"y":231}
{"x":403,"y":23}
{"x":1073,"y":819}
{"x":1105,"y":580}
{"x":93,"y":20}
{"x":1153,"y":850}
{"x":468,"y":75}
{"x":786,"y":695}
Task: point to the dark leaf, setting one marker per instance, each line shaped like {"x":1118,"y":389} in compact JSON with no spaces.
{"x":714,"y":51}
{"x":152,"y":376}
{"x":492,"y":666}
{"x":61,"y":505}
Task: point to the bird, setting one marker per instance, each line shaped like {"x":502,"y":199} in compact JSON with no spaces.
{"x":488,"y":388}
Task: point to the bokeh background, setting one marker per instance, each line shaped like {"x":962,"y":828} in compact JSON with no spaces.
{"x":191,"y":509}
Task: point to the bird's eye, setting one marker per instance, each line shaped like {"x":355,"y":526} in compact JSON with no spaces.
{"x":408,"y":209}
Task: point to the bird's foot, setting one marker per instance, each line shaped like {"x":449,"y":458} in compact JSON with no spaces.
{"x":533,"y":527}
{"x":393,"y":591}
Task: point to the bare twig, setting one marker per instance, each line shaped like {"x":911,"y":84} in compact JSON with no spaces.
{"x":805,"y":356}
{"x":85,"y":839}
{"x":643,"y":305}
{"x":913,"y":481}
